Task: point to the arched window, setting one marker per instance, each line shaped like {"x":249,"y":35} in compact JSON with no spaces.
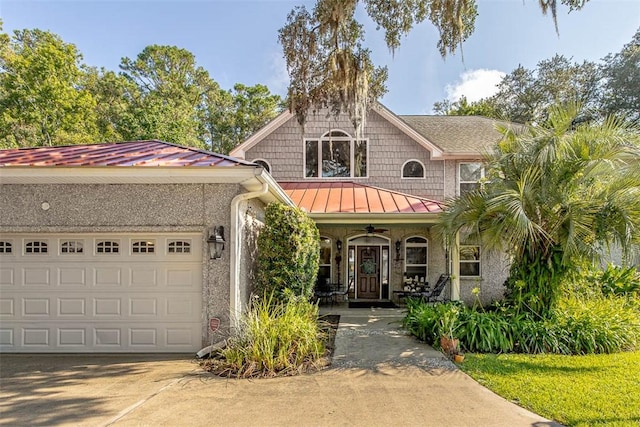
{"x":415,"y":258}
{"x":107,"y":247}
{"x":335,"y":155}
{"x":179,"y":247}
{"x":264,"y":164}
{"x":36,"y":247}
{"x":413,"y":169}
{"x":5,"y":247}
{"x":71,"y":247}
{"x":143,"y":247}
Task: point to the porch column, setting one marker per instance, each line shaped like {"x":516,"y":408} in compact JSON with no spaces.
{"x":455,"y":268}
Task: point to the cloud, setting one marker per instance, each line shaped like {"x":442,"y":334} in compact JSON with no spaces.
{"x":475,"y":85}
{"x":278,"y":79}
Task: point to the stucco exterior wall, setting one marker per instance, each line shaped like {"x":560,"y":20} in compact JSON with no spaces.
{"x":138,"y":208}
{"x":389,"y":149}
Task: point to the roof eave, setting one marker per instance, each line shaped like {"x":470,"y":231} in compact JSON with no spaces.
{"x":381,"y":218}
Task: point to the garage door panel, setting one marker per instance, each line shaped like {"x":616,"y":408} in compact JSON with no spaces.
{"x":72,"y":277}
{"x":146,"y":337}
{"x":7,"y":276}
{"x":89,"y":302}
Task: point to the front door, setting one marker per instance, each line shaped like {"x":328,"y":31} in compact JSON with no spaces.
{"x":368,"y":272}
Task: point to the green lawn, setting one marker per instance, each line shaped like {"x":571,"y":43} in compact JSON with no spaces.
{"x":573,"y":390}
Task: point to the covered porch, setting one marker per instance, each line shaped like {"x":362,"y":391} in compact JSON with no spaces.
{"x":376,"y":245}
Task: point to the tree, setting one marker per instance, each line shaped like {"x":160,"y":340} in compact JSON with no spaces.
{"x":524,"y":96}
{"x":555,"y":195}
{"x":462,"y":107}
{"x":114,"y":95}
{"x":329,"y":68}
{"x":622,"y":81}
{"x":288,"y":253}
{"x":171,"y":94}
{"x":239,"y":113}
{"x":41,"y":102}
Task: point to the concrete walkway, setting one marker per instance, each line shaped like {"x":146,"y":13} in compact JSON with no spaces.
{"x":380,"y":377}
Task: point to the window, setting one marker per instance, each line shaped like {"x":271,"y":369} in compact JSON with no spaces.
{"x":143,"y":247}
{"x":5,"y":247}
{"x":413,"y":169}
{"x":470,"y":260}
{"x":335,"y":155}
{"x":179,"y":247}
{"x":107,"y":247}
{"x":264,"y":164}
{"x":415,"y":258}
{"x":36,"y":247}
{"x":324,"y":268}
{"x":470,"y":176}
{"x":71,"y":247}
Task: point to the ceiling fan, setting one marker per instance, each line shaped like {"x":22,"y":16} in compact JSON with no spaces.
{"x":370,"y":229}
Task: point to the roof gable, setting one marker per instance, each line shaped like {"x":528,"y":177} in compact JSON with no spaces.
{"x":134,"y":153}
{"x":378,"y":108}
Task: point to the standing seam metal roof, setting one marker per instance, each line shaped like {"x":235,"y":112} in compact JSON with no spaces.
{"x":349,"y":197}
{"x":133,"y":153}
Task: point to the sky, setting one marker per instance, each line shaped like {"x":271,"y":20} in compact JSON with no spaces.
{"x":237,"y":41}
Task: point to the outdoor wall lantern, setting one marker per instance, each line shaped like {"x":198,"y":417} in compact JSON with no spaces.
{"x":398,"y":244}
{"x":339,"y":245}
{"x":216,"y":243}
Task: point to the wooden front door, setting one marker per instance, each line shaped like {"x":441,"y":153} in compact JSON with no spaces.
{"x":368,"y":272}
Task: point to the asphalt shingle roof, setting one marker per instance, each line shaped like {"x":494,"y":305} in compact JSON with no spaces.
{"x":458,"y":134}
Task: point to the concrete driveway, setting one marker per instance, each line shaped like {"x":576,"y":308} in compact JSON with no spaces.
{"x":380,"y":377}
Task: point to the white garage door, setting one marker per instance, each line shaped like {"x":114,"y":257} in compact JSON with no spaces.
{"x":100,"y":293}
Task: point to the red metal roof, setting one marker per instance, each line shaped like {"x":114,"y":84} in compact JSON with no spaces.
{"x":349,"y":197}
{"x":135,"y":153}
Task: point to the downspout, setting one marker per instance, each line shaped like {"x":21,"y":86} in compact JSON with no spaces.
{"x":235,"y":304}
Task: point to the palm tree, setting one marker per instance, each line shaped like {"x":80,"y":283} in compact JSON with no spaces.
{"x":554,"y":195}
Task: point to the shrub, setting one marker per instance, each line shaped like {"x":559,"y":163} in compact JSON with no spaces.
{"x":615,"y":280}
{"x":275,"y":338}
{"x":288,"y":253}
{"x":575,"y":326}
{"x":602,"y":325}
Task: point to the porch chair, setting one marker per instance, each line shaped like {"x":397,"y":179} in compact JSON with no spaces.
{"x":433,"y":294}
{"x":334,"y":294}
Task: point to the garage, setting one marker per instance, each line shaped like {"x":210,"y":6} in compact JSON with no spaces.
{"x":101,"y":292}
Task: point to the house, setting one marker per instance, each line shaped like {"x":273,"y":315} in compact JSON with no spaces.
{"x":142,"y":246}
{"x":126,"y":247}
{"x":376,"y":198}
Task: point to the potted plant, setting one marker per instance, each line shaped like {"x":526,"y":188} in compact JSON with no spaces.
{"x":448,"y":323}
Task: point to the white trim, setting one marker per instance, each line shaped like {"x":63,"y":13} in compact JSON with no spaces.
{"x":350,"y":242}
{"x":249,"y":177}
{"x":436,"y":152}
{"x":274,"y":124}
{"x":417,"y":245}
{"x":459,"y":178}
{"x":265,"y":162}
{"x":326,"y":137}
{"x":424,"y":170}
{"x":478,"y":261}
